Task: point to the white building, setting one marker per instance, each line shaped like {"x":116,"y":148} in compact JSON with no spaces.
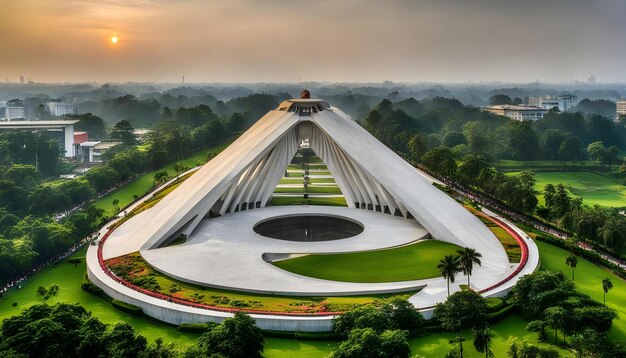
{"x":620,"y":107}
{"x":519,"y":113}
{"x":92,"y":151}
{"x":61,"y":130}
{"x":58,"y":108}
{"x":563,"y":103}
{"x":14,"y":112}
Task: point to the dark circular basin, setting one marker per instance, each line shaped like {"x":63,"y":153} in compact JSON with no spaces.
{"x":308,"y":228}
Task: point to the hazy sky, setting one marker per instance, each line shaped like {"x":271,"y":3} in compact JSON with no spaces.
{"x":315,"y":40}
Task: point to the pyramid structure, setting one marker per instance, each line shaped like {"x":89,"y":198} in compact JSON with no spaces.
{"x":244,"y":175}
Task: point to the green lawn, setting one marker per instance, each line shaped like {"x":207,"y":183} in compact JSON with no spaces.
{"x":69,"y":279}
{"x":595,"y":189}
{"x":141,"y":186}
{"x":433,"y":345}
{"x":292,"y":200}
{"x":310,"y":190}
{"x":588,"y":278}
{"x":412,"y":262}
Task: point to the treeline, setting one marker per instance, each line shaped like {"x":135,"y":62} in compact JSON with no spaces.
{"x":147,"y":111}
{"x":602,"y":227}
{"x":68,"y":330}
{"x":414,"y":127}
{"x":28,"y":233}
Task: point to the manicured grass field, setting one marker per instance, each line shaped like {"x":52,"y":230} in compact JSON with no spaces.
{"x":135,"y":269}
{"x":69,"y":279}
{"x":595,"y":189}
{"x":412,"y":262}
{"x":310,"y":190}
{"x":588,"y":278}
{"x":141,"y":186}
{"x":432,"y":345}
{"x":285,"y":200}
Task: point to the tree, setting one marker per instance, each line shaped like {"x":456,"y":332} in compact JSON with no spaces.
{"x":467,"y":258}
{"x":525,"y":350}
{"x":463,"y":309}
{"x":482,"y":338}
{"x":123,"y":131}
{"x":116,"y":204}
{"x":613,"y":233}
{"x":236,"y":337}
{"x":597,"y":151}
{"x":500,"y":99}
{"x":452,"y":139}
{"x":571,"y":261}
{"x":607,"y":285}
{"x":570,"y":149}
{"x":367,"y":343}
{"x":471,"y":168}
{"x":161,"y":177}
{"x":555,"y":318}
{"x":448,"y":268}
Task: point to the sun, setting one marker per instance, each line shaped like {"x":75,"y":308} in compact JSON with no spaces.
{"x":114,"y":40}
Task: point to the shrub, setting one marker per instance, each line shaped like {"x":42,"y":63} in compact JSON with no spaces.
{"x":74,"y":261}
{"x":127,"y":307}
{"x":495,"y":304}
{"x":196,"y":327}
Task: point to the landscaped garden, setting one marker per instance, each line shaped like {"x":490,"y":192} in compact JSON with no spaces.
{"x":135,"y":270}
{"x":411,"y":262}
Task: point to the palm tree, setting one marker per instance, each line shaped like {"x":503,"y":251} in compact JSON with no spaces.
{"x":467,"y":258}
{"x":607,"y":285}
{"x":482,"y":338}
{"x":613,"y":233}
{"x":448,"y":268}
{"x":571,"y":261}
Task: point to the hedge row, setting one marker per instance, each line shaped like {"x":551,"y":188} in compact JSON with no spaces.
{"x":305,"y":336}
{"x":89,"y":287}
{"x":196,"y":327}
{"x":127,"y":307}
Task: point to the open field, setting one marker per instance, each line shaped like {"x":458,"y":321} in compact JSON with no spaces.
{"x":69,"y":278}
{"x":588,"y":278}
{"x":412,"y":262}
{"x":134,"y":269}
{"x":595,"y":189}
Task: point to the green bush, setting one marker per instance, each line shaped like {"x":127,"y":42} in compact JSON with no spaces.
{"x":74,"y":261}
{"x":305,"y":336}
{"x":495,"y":304}
{"x":89,"y":287}
{"x":127,"y":307}
{"x":196,"y":327}
{"x":500,"y":314}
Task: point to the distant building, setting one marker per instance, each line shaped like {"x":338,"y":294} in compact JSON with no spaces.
{"x":22,"y":80}
{"x":592,"y":80}
{"x":14,"y":109}
{"x":519,"y":113}
{"x":621,"y":107}
{"x":60,"y":108}
{"x":563,"y":103}
{"x":91,"y":152}
{"x":62,"y":131}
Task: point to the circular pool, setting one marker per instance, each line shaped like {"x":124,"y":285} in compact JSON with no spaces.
{"x":308,"y":228}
